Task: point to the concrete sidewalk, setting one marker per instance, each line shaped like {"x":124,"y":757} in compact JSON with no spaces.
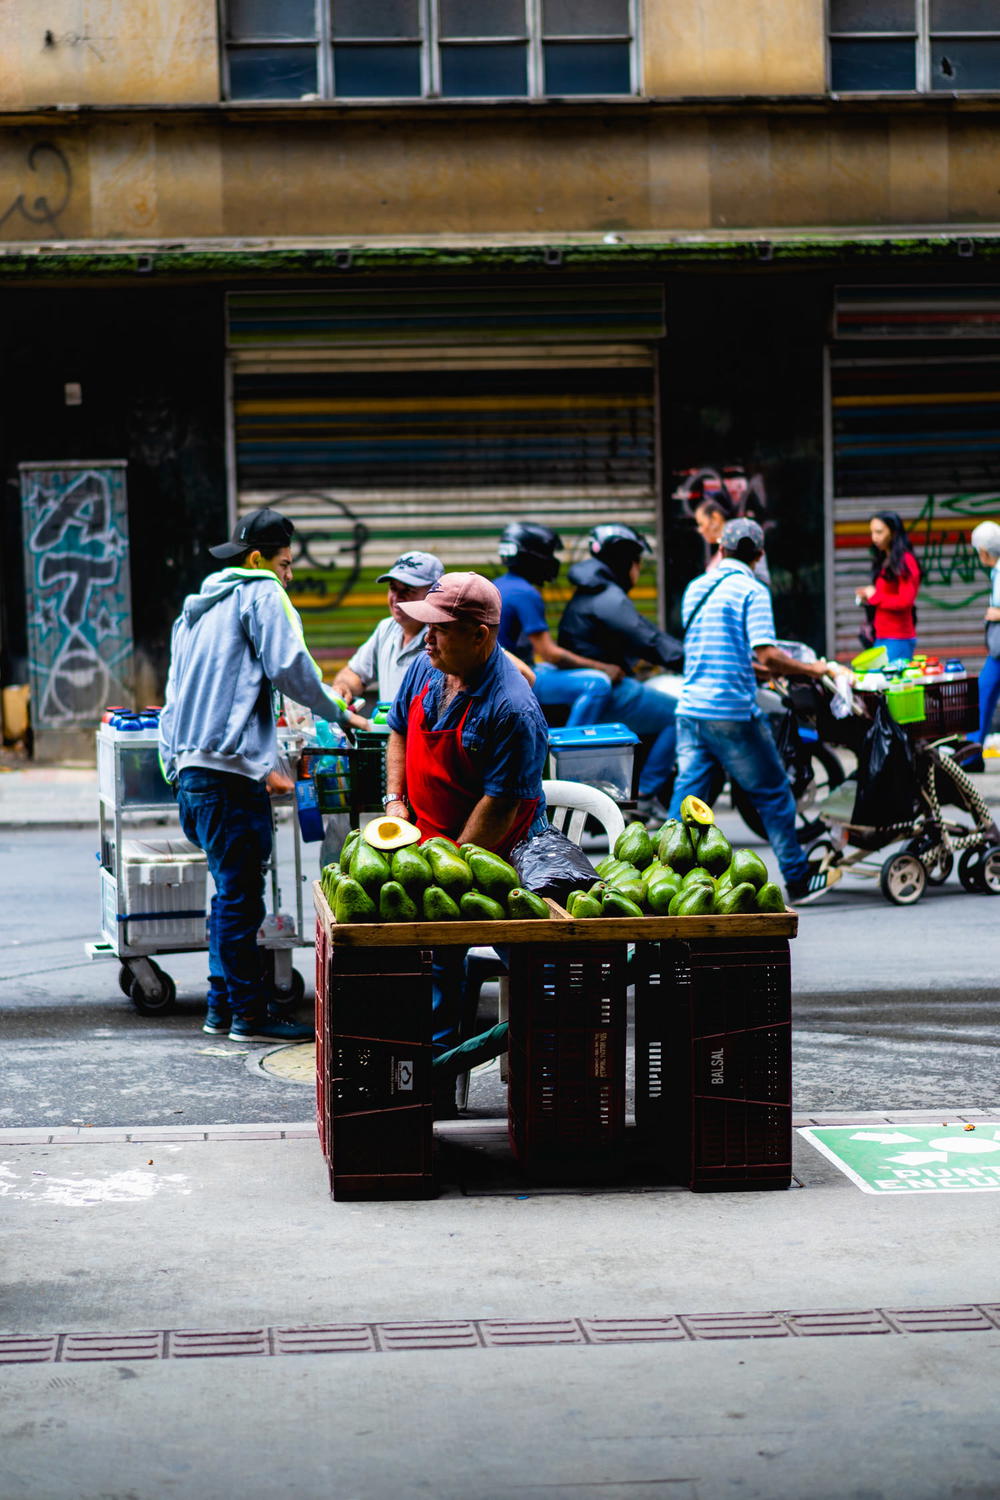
{"x":819,"y":1341}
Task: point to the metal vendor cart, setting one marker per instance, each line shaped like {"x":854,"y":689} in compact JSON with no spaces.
{"x":154,"y":891}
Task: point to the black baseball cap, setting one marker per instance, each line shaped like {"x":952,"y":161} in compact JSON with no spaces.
{"x":261,"y":528}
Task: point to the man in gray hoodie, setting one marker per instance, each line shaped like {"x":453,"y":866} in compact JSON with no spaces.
{"x":234,"y":643}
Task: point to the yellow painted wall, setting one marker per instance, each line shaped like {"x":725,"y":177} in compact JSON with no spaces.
{"x":140,"y":178}
{"x":733,"y":47}
{"x":108,"y":52}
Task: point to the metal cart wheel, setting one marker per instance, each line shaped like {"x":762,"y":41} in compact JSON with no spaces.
{"x":989,"y":871}
{"x":937,"y":861}
{"x":284,"y":999}
{"x":125,"y":978}
{"x":970,"y":870}
{"x":903,"y":879}
{"x":156,"y":998}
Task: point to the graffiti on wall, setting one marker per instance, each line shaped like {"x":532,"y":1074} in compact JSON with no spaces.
{"x":77,"y":587}
{"x":47,"y":189}
{"x":953,"y":575}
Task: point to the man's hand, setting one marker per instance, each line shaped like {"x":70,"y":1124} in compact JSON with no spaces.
{"x":397,"y":809}
{"x":866,"y":592}
{"x":612,"y":670}
{"x":278,"y":784}
{"x":992,"y":613}
{"x":357,"y":722}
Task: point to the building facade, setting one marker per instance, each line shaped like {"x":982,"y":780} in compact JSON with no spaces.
{"x":413,"y":268}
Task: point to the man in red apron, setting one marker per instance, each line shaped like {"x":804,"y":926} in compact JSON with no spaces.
{"x":467,"y":744}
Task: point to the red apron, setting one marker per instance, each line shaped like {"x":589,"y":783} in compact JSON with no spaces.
{"x":441,"y":778}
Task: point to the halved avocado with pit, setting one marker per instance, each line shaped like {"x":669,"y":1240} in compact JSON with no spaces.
{"x":390,"y":833}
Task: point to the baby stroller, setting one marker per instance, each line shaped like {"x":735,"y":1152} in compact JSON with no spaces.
{"x":947,"y":816}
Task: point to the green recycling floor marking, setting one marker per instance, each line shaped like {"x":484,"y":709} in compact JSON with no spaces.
{"x":913,"y":1158}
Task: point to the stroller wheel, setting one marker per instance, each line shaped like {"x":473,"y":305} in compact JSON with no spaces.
{"x":903,"y":879}
{"x":938,"y":862}
{"x":979,"y":870}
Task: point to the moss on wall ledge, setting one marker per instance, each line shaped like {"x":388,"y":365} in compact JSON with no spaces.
{"x":241,"y":260}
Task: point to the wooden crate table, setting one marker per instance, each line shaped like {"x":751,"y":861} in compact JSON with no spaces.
{"x":568,"y":982}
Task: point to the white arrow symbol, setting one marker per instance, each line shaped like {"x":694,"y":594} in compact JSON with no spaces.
{"x":884,"y":1138}
{"x":918,"y":1158}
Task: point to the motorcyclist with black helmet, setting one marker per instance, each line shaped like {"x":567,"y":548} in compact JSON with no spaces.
{"x":600,"y":621}
{"x":561,"y":676}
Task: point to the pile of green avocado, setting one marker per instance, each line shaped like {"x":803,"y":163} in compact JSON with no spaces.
{"x":688,"y":869}
{"x":437,"y":882}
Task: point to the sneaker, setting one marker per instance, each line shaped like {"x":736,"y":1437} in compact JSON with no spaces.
{"x":217,"y":1022}
{"x":269,"y":1030}
{"x":812,"y":886}
{"x":651,"y":811}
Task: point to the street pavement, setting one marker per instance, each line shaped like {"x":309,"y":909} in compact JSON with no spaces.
{"x":232,"y":1330}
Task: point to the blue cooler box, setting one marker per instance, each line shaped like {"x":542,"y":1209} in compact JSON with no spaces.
{"x":599,"y":754}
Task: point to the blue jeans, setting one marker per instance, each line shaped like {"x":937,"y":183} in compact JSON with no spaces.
{"x":745,"y":750}
{"x":230,"y":818}
{"x":586,"y":689}
{"x":898,"y":650}
{"x":989,"y":695}
{"x":649,"y":713}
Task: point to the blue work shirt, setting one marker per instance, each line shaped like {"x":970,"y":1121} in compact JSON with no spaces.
{"x":505,"y":734}
{"x":719,"y":642}
{"x":522,"y":614}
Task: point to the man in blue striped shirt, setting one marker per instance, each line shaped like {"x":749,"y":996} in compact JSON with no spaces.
{"x":728,"y":625}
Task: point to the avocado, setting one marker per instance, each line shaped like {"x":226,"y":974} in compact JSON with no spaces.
{"x":369,"y":868}
{"x":659,"y":897}
{"x":437,"y":906}
{"x":667,"y":879}
{"x":347,"y":847}
{"x":449,"y":870}
{"x":467,"y":849}
{"x":572,"y":899}
{"x":598,"y":888}
{"x":394,"y":905}
{"x":696,"y":813}
{"x":615,"y":904}
{"x":634,"y":845}
{"x":725,"y":880}
{"x":746,"y":865}
{"x":697,"y":876}
{"x":740,"y":898}
{"x":696,"y":901}
{"x":525,"y":905}
{"x":586,"y":907}
{"x":675,"y":849}
{"x":605,"y":865}
{"x":409,"y":867}
{"x":630,"y":886}
{"x":475,"y":907}
{"x":493,"y":875}
{"x":769,"y":897}
{"x":353,"y":903}
{"x":714,"y":851}
{"x":438,"y":841}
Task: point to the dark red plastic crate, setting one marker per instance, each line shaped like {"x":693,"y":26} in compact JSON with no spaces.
{"x":375,"y":1087}
{"x":566,"y":1088}
{"x":950,"y":707}
{"x":713,"y":1099}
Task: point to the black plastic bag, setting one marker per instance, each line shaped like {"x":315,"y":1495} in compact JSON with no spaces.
{"x":794,"y":755}
{"x":550,"y":865}
{"x":887,"y":783}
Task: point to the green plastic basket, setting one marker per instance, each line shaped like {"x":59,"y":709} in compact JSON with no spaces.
{"x":906,"y":703}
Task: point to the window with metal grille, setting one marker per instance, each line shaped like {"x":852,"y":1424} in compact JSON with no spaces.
{"x":428,"y":49}
{"x":914,"y":46}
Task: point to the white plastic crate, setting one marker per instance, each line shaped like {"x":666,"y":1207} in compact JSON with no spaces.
{"x":159,"y":877}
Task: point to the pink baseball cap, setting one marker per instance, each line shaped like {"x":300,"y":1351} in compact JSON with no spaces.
{"x":457,"y":596}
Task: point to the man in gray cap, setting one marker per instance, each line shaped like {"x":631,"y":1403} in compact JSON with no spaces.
{"x":728,"y":626}
{"x":397,"y":641}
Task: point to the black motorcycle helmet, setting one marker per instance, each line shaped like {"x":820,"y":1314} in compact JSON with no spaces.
{"x":529,"y":551}
{"x":617,"y":546}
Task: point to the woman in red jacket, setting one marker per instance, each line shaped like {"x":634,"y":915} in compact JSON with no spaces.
{"x":893,"y":591}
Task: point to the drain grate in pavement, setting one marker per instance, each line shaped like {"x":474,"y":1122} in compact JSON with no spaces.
{"x":489,"y":1333}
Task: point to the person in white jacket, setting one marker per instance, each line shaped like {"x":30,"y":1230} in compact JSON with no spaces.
{"x":235,"y":642}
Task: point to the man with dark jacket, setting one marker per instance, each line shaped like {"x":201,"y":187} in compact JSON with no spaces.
{"x":601,"y":622}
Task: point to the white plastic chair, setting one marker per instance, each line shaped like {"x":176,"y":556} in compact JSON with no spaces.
{"x":570,"y":804}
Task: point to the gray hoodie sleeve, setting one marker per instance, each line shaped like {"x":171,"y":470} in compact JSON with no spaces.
{"x":275,"y":632}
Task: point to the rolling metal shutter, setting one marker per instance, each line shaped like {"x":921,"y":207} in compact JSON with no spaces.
{"x":919,"y":435}
{"x":384,"y":420}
